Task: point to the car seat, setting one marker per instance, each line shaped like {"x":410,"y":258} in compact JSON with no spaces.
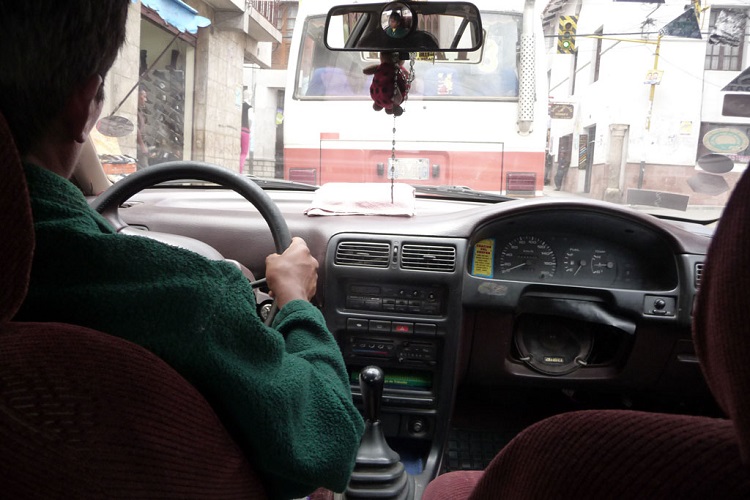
{"x":87,"y":415}
{"x":629,"y":454}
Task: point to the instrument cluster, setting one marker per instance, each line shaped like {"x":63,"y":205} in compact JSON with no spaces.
{"x":572,"y":253}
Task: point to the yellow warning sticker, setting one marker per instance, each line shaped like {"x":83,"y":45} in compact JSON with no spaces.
{"x":425,"y":56}
{"x":484,"y":258}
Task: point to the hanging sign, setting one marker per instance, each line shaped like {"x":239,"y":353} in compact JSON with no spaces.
{"x":561,"y":111}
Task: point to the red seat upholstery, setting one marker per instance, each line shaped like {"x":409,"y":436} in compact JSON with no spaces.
{"x":87,"y":415}
{"x":628,"y":454}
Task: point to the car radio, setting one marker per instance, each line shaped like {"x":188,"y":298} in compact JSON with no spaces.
{"x":427,"y":300}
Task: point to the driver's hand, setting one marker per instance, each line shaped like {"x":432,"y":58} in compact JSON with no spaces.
{"x":293,"y":274}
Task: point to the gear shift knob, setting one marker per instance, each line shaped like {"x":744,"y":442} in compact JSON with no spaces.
{"x":371,"y":380}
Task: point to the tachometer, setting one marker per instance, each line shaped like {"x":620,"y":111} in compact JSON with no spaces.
{"x":528,"y":257}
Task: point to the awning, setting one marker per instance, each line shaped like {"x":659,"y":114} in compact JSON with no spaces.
{"x":178,"y":14}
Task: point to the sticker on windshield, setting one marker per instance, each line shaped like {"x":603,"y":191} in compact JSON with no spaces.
{"x":484,"y":258}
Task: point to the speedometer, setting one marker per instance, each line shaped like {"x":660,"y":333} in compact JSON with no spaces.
{"x":528,"y":257}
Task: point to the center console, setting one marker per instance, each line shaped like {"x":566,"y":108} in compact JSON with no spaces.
{"x":395,"y":326}
{"x":395,"y":302}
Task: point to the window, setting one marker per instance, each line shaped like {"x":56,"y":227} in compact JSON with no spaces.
{"x":289,"y":28}
{"x":165,"y":112}
{"x":286,"y":21}
{"x":574,"y":74}
{"x":597,"y":53}
{"x":726,"y":39}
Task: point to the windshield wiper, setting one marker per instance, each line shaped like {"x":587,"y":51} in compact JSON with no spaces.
{"x":263,"y":183}
{"x":266,"y":183}
{"x":461,"y":193}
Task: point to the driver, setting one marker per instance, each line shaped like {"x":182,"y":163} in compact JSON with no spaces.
{"x":282,"y":392}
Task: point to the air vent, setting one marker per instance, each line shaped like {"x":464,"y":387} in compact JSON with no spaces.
{"x":698,"y":274}
{"x":429,"y":258}
{"x":363,"y":254}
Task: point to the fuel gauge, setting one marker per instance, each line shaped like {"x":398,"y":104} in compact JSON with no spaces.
{"x":575,"y":262}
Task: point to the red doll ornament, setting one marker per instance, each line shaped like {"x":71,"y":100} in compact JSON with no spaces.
{"x":390,"y":83}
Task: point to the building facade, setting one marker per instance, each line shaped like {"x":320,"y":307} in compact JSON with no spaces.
{"x":648,"y":108}
{"x":183,"y":91}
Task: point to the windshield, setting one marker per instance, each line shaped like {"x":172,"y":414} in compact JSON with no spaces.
{"x":644,"y":106}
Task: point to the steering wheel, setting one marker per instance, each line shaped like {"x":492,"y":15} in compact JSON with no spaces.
{"x":108,"y":202}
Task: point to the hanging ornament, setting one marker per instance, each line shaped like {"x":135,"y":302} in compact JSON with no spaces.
{"x":390,"y":83}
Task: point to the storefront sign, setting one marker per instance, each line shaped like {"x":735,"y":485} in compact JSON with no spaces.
{"x":560,"y":111}
{"x":726,"y":140}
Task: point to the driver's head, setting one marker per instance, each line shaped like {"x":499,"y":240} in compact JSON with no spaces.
{"x":395,"y":20}
{"x":54,"y":55}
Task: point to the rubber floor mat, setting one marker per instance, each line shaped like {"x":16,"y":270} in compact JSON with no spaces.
{"x":469,"y":449}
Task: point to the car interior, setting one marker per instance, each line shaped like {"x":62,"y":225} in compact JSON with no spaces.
{"x":464,"y":355}
{"x":560,"y":344}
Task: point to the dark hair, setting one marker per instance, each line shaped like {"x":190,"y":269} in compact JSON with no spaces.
{"x":47,"y":48}
{"x":396,"y":16}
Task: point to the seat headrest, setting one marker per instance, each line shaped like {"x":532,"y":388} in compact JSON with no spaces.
{"x":16,"y":227}
{"x":721,"y":322}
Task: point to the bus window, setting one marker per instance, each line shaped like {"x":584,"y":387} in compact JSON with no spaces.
{"x":323,"y":73}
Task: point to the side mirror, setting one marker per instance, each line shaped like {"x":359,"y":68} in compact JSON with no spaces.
{"x":404,"y":27}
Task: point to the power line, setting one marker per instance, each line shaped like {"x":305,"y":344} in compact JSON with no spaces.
{"x":608,"y":34}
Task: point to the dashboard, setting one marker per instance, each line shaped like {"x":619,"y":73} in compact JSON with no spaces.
{"x":544,"y":292}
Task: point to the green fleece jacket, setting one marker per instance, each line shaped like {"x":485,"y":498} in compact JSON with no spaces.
{"x":282,"y":392}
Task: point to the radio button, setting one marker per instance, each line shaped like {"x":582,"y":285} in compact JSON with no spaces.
{"x":373,"y":303}
{"x":430,"y":308}
{"x":356,"y":325}
{"x":355,"y":302}
{"x":425,"y":329}
{"x":380,"y":326}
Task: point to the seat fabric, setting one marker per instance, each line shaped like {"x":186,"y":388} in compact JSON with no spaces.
{"x":88,"y":415}
{"x":721,"y":322}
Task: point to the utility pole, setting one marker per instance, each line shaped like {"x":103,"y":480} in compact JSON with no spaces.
{"x":652,"y":92}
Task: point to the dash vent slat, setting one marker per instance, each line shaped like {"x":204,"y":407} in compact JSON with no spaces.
{"x":436,"y":258}
{"x":698,"y":274}
{"x":363,"y":254}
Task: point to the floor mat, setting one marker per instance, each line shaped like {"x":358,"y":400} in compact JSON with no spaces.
{"x":469,"y":449}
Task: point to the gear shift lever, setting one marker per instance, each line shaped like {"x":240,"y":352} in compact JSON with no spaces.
{"x":378,"y":472}
{"x":371,"y":380}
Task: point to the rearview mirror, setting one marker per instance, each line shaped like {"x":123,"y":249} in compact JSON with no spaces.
{"x":404,"y":27}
